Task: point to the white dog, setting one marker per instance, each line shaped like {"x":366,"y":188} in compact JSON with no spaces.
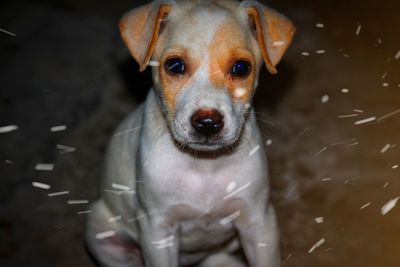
{"x":186,"y":179}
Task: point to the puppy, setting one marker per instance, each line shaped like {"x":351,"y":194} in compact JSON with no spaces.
{"x":186,"y":180}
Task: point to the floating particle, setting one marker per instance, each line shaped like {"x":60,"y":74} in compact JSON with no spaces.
{"x":105,"y":234}
{"x":231,"y":186}
{"x":120,"y":187}
{"x":321,"y":51}
{"x":358,"y":110}
{"x":385,"y":185}
{"x":325,"y":99}
{"x":278,"y":43}
{"x":237,"y":191}
{"x":7,"y":129}
{"x":379,"y":41}
{"x":385,"y":148}
{"x":370,"y":119}
{"x":58,"y":128}
{"x":395,"y":167}
{"x":348,"y":115}
{"x":44,"y":167}
{"x":397,"y":56}
{"x":269,"y":142}
{"x":55,"y":194}
{"x":306,"y":54}
{"x":78,"y":201}
{"x":115,"y":218}
{"x":365,"y":205}
{"x":320,"y":152}
{"x":41,"y":185}
{"x":9,"y":162}
{"x":247,"y":106}
{"x":345,"y":90}
{"x":358,"y":30}
{"x":84,"y":212}
{"x":65,"y":149}
{"x":154,"y":63}
{"x":389,"y":205}
{"x":230,"y":218}
{"x":319,"y":219}
{"x":320,"y":25}
{"x":384,"y":75}
{"x":385,"y":84}
{"x":254,"y":150}
{"x":262,"y":245}
{"x":354,"y":144}
{"x":389,"y":115}
{"x":7,"y":32}
{"x":239,"y":92}
{"x":317,"y":245}
{"x":165,"y":242}
{"x":327,"y":179}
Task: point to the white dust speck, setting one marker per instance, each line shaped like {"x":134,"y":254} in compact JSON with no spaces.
{"x":9,"y":162}
{"x":319,"y":219}
{"x":84,"y":212}
{"x":358,"y":30}
{"x":247,"y":105}
{"x":55,"y":194}
{"x":384,"y":75}
{"x":65,"y":149}
{"x":262,"y":245}
{"x":154,"y":63}
{"x":105,"y":234}
{"x":78,"y":201}
{"x":239,"y":92}
{"x":44,"y":167}
{"x":231,"y":186}
{"x":269,"y":142}
{"x":345,"y":90}
{"x":7,"y":129}
{"x":321,"y":151}
{"x":41,"y":185}
{"x":278,"y":43}
{"x":254,"y":150}
{"x":325,"y":99}
{"x":370,"y":119}
{"x":385,"y":148}
{"x":120,"y":187}
{"x":389,"y":115}
{"x":115,"y":218}
{"x":317,"y":245}
{"x":327,"y":179}
{"x":385,"y":185}
{"x":358,"y":110}
{"x":389,"y":205}
{"x":395,"y":167}
{"x":320,"y":25}
{"x":237,"y":191}
{"x":58,"y":128}
{"x":348,"y":116}
{"x":385,"y":84}
{"x":306,"y":54}
{"x":365,"y":205}
{"x":7,"y":32}
{"x":230,"y":218}
{"x":321,"y":51}
{"x":397,"y":56}
{"x":165,"y":242}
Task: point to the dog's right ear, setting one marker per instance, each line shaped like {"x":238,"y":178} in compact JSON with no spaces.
{"x":140,"y":29}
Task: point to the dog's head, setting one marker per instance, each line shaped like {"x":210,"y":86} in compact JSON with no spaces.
{"x":206,"y":57}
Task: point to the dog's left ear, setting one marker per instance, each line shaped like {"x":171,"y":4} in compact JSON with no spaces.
{"x":273,"y":32}
{"x":140,"y":29}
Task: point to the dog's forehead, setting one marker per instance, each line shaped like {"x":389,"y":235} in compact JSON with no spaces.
{"x":197,"y":27}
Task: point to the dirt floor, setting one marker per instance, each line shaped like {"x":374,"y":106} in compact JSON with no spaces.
{"x":331,"y":176}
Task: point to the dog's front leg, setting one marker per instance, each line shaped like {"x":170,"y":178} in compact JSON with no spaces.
{"x":259,"y":235}
{"x":159,"y":244}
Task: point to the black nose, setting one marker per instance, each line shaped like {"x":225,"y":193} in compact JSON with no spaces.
{"x":207,"y":122}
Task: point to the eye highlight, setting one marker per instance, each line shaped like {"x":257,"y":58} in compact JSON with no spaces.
{"x":241,"y":69}
{"x":175,"y":66}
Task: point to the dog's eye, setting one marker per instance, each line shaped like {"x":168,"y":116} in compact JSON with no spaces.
{"x":241,"y":68}
{"x":175,"y":66}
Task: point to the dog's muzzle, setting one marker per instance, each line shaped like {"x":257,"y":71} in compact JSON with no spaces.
{"x":207,"y":122}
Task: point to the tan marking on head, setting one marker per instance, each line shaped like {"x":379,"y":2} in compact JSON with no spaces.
{"x":172,"y":85}
{"x":229,"y":45}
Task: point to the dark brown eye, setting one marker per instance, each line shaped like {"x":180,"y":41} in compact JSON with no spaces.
{"x":175,"y":66}
{"x":241,"y":68}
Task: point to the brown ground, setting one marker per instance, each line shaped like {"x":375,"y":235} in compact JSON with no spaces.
{"x":67,"y":66}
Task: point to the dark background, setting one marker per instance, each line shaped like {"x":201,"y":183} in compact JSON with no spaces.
{"x":67,"y":66}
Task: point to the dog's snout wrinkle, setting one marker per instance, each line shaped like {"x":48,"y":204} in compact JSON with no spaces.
{"x":207,"y":121}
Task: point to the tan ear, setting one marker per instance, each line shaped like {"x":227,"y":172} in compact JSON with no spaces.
{"x":140,"y":29}
{"x":273,"y":32}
